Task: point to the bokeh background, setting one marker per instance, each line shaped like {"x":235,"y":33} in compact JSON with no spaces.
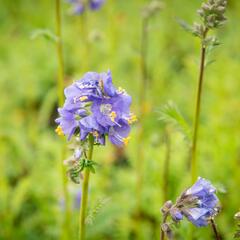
{"x":31,"y":196}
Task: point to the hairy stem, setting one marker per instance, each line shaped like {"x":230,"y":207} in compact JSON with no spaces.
{"x":215,"y":231}
{"x":85,"y":184}
{"x":162,"y":236}
{"x":60,"y":89}
{"x":197,"y":112}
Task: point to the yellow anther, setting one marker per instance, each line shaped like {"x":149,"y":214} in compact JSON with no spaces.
{"x":113,"y":115}
{"x":59,"y":131}
{"x":132,"y":119}
{"x":83,"y":98}
{"x":126,"y":141}
{"x":121,"y":90}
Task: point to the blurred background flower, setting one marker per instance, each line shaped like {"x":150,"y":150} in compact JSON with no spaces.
{"x":79,"y":6}
{"x":30,"y":183}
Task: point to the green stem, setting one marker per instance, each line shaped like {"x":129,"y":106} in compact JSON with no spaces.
{"x":67,"y":217}
{"x":166,"y":165}
{"x":144,"y":49}
{"x":59,"y":54}
{"x":215,"y":231}
{"x":197,"y":112}
{"x":84,"y":201}
{"x":60,"y":89}
{"x":142,"y":102}
{"x":85,"y":42}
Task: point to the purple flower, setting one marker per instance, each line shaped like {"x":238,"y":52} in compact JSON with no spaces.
{"x":67,"y":122}
{"x":79,"y":6}
{"x":109,"y":111}
{"x":94,"y":106}
{"x":89,"y":125}
{"x":118,"y":135}
{"x":176,"y":214}
{"x":198,"y":204}
{"x":96,"y":4}
{"x":92,"y":86}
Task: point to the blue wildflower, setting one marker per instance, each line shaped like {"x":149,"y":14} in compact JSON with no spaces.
{"x":79,"y":6}
{"x":89,"y":125}
{"x":94,"y":106}
{"x":198,"y":204}
{"x":109,"y":111}
{"x":96,"y":4}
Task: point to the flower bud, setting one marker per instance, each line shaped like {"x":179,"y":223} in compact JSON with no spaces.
{"x":166,"y":207}
{"x":237,"y":216}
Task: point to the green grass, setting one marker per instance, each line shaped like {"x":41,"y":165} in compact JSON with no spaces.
{"x":30,"y":181}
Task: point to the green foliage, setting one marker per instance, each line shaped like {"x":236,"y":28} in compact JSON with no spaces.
{"x":74,"y":171}
{"x":45,"y":33}
{"x":170,"y":114}
{"x":237,"y":218}
{"x":95,"y":210}
{"x":31,"y":193}
{"x":185,"y":26}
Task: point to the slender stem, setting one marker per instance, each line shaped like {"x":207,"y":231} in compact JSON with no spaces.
{"x":215,"y":231}
{"x":85,"y":41}
{"x":60,"y":88}
{"x":164,"y":221}
{"x":85,"y":184}
{"x":59,"y":53}
{"x":166,"y":165}
{"x":197,"y":112}
{"x":144,"y":70}
{"x":142,"y":102}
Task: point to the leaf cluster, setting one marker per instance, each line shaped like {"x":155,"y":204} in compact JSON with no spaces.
{"x":74,"y":172}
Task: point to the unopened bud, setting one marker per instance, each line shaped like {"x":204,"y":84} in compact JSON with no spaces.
{"x":166,"y":207}
{"x":237,"y":216}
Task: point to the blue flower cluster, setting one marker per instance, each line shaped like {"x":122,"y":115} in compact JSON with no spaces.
{"x":94,"y":106}
{"x":198,"y":204}
{"x":79,"y":6}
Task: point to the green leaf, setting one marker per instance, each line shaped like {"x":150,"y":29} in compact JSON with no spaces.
{"x":45,"y":33}
{"x":19,"y":195}
{"x":211,"y":43}
{"x":185,"y":26}
{"x":209,"y":62}
{"x":170,"y":114}
{"x":95,"y":210}
{"x":92,"y":169}
{"x":74,"y":174}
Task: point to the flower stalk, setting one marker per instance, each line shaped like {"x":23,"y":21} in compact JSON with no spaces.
{"x":85,"y":185}
{"x":148,"y":12}
{"x":85,"y":41}
{"x":214,"y":228}
{"x":166,"y":165}
{"x":197,"y":111}
{"x":162,"y":236}
{"x":142,"y":103}
{"x":212,"y":15}
{"x":60,"y":87}
{"x":59,"y":53}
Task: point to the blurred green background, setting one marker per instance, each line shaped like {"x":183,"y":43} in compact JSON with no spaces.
{"x":31,"y":196}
